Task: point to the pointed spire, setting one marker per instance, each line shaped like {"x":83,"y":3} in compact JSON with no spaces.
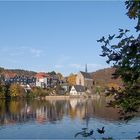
{"x":86,"y":68}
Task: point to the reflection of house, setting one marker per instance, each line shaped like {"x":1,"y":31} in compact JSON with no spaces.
{"x":42,"y":80}
{"x":77,"y":108}
{"x":84,"y":79}
{"x":41,"y":115}
{"x":77,"y":90}
{"x":73,"y":102}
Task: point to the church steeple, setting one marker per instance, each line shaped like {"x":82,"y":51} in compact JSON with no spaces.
{"x":86,"y":68}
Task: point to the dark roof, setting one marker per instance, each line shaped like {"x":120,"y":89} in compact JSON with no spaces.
{"x":79,"y":88}
{"x":86,"y":75}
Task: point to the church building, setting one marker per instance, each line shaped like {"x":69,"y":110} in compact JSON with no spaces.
{"x":84,"y":79}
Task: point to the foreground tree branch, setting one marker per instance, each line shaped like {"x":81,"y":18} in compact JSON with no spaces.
{"x":125,"y":57}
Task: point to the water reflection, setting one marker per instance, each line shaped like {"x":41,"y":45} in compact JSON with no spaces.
{"x":55,"y":118}
{"x":84,"y":133}
{"x":21,"y":111}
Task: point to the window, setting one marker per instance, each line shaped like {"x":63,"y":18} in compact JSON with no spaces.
{"x":79,"y":81}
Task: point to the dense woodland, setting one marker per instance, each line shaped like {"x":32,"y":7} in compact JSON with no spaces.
{"x":17,"y":71}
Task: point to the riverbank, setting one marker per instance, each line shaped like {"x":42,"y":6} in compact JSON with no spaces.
{"x":63,"y":97}
{"x":56,"y":97}
{"x":67,"y":97}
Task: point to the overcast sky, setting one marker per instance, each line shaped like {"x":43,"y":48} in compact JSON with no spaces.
{"x":59,"y":36}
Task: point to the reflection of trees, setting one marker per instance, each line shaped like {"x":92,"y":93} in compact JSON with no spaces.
{"x":29,"y":110}
{"x":15,"y":111}
{"x":102,"y":111}
{"x":85,"y":109}
{"x":2,"y":107}
{"x":55,"y":110}
{"x":21,"y":111}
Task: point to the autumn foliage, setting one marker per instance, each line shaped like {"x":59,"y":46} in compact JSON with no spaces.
{"x":71,"y":79}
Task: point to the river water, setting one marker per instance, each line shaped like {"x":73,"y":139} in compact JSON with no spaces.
{"x":63,"y":119}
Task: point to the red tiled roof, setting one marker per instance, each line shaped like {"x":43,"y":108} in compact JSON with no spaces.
{"x":41,"y":75}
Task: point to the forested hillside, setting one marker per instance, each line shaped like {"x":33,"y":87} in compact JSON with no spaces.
{"x":17,"y":71}
{"x":104,"y":78}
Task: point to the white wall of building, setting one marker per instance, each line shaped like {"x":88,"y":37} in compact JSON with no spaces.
{"x":73,"y":92}
{"x":80,"y":79}
{"x":41,"y":82}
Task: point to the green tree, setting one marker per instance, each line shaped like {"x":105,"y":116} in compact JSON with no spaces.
{"x":52,"y":73}
{"x":6,"y":88}
{"x":133,"y":7}
{"x":15,"y":90}
{"x":125,"y":57}
{"x":2,"y":92}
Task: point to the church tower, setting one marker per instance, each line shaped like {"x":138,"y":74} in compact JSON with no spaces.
{"x":86,"y":68}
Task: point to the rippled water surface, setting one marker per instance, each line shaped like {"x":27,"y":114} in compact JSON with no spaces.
{"x":56,"y":118}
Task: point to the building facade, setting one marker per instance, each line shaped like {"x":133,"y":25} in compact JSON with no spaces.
{"x":12,"y":78}
{"x":84,"y":79}
{"x":42,"y":80}
{"x":77,"y":90}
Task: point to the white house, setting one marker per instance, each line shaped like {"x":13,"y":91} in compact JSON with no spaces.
{"x":77,"y":90}
{"x":42,"y":80}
